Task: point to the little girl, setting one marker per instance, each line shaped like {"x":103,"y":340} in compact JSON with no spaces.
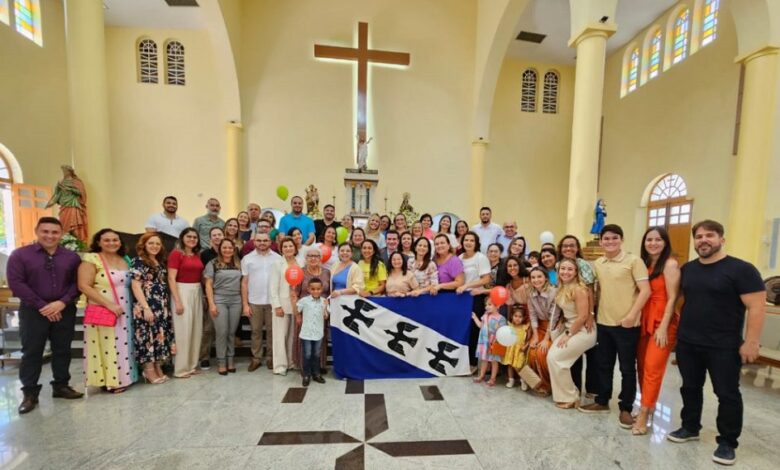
{"x":491,"y":321}
{"x":515,"y":356}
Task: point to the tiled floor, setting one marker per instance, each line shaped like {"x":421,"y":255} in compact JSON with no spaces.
{"x":256,"y":421}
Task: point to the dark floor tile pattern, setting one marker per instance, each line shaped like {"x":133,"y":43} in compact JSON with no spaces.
{"x":354,"y":387}
{"x":431,"y":393}
{"x":352,"y":460}
{"x":305,"y":437}
{"x":424,"y":448}
{"x":376,"y":415}
{"x":294,"y":395}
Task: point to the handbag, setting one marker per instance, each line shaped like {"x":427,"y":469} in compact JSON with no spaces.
{"x":497,"y":348}
{"x":99,"y":315}
{"x":530,"y":377}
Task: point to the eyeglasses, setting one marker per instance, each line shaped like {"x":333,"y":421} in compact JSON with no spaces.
{"x":313,"y":255}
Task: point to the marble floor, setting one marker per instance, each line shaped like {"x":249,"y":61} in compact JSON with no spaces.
{"x":257,"y":420}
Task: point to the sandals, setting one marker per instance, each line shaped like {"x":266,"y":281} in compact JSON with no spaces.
{"x":566,"y":406}
{"x":479,"y":380}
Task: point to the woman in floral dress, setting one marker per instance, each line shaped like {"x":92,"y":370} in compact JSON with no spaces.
{"x":151,"y":312}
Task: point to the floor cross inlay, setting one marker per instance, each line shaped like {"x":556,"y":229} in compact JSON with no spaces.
{"x":376,"y":422}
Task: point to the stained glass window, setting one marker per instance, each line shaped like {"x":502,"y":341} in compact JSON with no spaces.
{"x":174,"y":56}
{"x":669,"y":187}
{"x":23,"y":14}
{"x":654,"y":58}
{"x":4,"y":18}
{"x":709,"y":27}
{"x":633,"y":70}
{"x":550,"y":97}
{"x":528,"y":98}
{"x":680,"y":44}
{"x":147,"y":61}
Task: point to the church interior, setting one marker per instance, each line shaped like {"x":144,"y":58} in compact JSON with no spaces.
{"x":668,"y":111}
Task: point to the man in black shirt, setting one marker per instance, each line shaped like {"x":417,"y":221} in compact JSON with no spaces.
{"x":717,"y":289}
{"x":328,"y":220}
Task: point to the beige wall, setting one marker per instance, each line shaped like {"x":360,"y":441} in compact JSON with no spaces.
{"x":527,"y":163}
{"x":681,"y":122}
{"x":296,"y":108}
{"x":164,"y":139}
{"x":34,"y":121}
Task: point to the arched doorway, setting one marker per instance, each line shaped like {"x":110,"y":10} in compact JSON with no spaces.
{"x":7,"y":232}
{"x":669,"y":206}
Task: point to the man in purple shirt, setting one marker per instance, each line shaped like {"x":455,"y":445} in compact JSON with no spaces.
{"x":43,"y":276}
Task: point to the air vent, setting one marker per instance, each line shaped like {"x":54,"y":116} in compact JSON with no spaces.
{"x":531,"y":37}
{"x":182,"y":3}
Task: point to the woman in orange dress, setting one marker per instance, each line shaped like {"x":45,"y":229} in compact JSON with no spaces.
{"x":659,"y":321}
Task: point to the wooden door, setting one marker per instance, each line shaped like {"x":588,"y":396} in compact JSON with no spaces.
{"x":29,"y":204}
{"x":675,"y":216}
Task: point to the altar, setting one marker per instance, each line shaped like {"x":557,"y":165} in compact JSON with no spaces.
{"x":361,"y":194}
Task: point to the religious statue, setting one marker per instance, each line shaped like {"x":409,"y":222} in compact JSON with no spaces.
{"x":71,"y":196}
{"x":362,"y":156}
{"x":313,"y":202}
{"x":599,"y":216}
{"x":361,"y":192}
{"x":406,"y":209}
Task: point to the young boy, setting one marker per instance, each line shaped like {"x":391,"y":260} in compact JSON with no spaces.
{"x":310,"y":314}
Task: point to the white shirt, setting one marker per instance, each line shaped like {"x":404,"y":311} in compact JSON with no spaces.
{"x":474,"y":267}
{"x":258,"y":268}
{"x":161,"y":223}
{"x":487,"y":235}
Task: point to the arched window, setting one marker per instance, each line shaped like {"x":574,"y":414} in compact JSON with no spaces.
{"x":27,"y":16}
{"x":680,"y":42}
{"x":670,"y":207}
{"x":633,"y":71}
{"x":528,"y":98}
{"x":709,"y":27}
{"x":4,"y":17}
{"x":550,"y":94}
{"x":174,"y":63}
{"x":147,"y":61}
{"x":654,"y":55}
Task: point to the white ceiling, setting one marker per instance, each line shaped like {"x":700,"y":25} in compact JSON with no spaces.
{"x":152,"y":14}
{"x":551,"y":17}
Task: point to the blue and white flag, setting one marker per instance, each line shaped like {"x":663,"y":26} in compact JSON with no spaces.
{"x":392,"y":337}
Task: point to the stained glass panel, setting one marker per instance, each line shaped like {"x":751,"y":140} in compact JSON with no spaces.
{"x":633,"y":70}
{"x":655,"y":56}
{"x":681,"y":26}
{"x":709,"y":27}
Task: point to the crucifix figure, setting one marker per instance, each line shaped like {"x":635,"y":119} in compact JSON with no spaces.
{"x":362,"y":55}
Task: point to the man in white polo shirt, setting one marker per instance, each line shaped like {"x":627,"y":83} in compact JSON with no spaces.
{"x":488,"y":232}
{"x":256,"y":270}
{"x":167,"y":221}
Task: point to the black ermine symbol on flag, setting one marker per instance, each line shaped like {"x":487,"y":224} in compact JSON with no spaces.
{"x":399,"y":337}
{"x":356,"y":313}
{"x":439,"y":356}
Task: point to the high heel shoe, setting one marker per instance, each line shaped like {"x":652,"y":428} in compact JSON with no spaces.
{"x":156,"y":381}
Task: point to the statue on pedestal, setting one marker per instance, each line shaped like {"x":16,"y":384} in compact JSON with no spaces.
{"x":313,"y":202}
{"x":362,"y":154}
{"x":71,"y":195}
{"x":599,"y":217}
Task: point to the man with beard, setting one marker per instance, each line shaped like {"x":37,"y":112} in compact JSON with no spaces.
{"x":488,"y":232}
{"x":205,"y":223}
{"x":717,"y":289}
{"x":167,"y":221}
{"x":328,"y":220}
{"x":297,"y":219}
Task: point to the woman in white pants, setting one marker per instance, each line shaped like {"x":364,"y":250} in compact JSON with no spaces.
{"x":282,"y":299}
{"x":578,"y":335}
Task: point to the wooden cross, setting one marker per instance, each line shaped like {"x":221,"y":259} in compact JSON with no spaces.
{"x":362,"y":55}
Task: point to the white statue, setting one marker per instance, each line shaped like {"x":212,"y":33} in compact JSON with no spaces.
{"x":362,"y":156}
{"x":361,"y":198}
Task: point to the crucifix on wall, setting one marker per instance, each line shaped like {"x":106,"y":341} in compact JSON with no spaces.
{"x":362,"y":55}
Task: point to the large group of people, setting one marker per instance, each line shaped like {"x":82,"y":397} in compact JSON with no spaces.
{"x":572,"y":318}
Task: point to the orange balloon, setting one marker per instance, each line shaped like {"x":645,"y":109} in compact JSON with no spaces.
{"x":294,"y":275}
{"x":326,"y":253}
{"x":499,"y":295}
